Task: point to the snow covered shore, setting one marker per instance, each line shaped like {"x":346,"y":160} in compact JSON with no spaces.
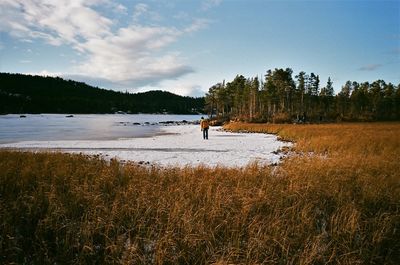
{"x":175,"y":145}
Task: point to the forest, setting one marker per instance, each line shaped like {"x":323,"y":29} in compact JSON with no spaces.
{"x":281,"y":98}
{"x":37,"y":94}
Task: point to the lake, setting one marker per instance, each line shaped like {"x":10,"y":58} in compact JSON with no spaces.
{"x":55,"y":127}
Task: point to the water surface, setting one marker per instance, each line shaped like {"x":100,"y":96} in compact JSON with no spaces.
{"x":50,"y":127}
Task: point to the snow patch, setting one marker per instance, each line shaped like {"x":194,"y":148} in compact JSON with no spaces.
{"x":177,"y":146}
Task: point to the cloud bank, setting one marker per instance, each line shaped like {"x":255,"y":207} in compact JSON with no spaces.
{"x":122,"y":55}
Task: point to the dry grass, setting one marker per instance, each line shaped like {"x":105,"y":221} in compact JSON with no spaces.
{"x":339,"y":205}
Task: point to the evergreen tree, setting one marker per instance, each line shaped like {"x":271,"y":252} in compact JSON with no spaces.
{"x":301,"y":88}
{"x":326,"y":99}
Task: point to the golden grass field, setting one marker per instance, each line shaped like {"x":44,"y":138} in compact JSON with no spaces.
{"x":334,"y":200}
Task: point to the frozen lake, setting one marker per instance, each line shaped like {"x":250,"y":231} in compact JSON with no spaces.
{"x":53,"y":127}
{"x":140,"y":138}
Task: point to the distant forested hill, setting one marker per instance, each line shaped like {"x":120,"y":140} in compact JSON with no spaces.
{"x":37,"y":94}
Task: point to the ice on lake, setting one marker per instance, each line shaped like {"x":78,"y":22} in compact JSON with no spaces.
{"x":40,"y":127}
{"x":140,"y":138}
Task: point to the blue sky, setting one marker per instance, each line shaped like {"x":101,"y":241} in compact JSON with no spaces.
{"x":186,"y":46}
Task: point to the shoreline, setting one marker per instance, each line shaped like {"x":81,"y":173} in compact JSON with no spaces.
{"x":174,"y":145}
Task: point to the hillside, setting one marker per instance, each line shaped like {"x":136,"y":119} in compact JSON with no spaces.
{"x":37,"y":94}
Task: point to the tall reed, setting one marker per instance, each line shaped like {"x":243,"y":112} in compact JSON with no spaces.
{"x":336,"y":200}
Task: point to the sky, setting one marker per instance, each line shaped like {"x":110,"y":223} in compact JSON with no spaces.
{"x":186,"y":46}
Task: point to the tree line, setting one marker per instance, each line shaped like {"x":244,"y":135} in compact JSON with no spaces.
{"x":280,"y":97}
{"x":37,"y":94}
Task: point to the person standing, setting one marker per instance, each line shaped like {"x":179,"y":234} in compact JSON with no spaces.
{"x":204,"y":127}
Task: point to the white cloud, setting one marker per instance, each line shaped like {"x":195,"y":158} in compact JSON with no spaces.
{"x":56,"y":22}
{"x":133,"y":55}
{"x":139,"y":10}
{"x":188,"y":90}
{"x":186,"y":86}
{"x":120,"y":9}
{"x":142,"y":11}
{"x":370,"y":67}
{"x":26,"y":40}
{"x":207,"y":4}
{"x":179,"y":89}
{"x":45,"y":73}
{"x":198,"y":24}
